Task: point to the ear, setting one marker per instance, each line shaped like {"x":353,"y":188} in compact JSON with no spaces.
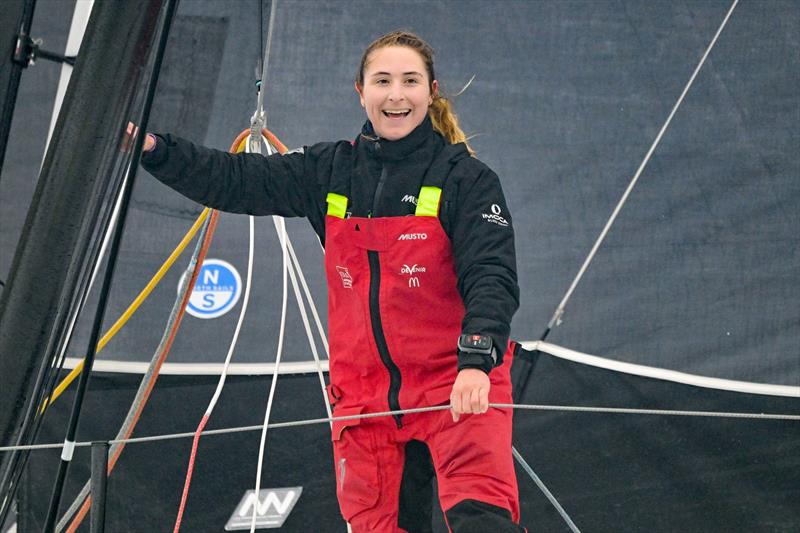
{"x":434,"y":91}
{"x":360,"y":92}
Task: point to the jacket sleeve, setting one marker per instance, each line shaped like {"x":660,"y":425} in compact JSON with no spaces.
{"x":238,"y":183}
{"x":482,"y":237}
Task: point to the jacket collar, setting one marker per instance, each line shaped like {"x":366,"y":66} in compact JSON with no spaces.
{"x":401,"y":148}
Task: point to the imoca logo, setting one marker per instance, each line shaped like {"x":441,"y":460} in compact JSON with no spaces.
{"x":271,"y":509}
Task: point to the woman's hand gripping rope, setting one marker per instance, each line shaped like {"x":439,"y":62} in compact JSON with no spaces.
{"x":470,"y":394}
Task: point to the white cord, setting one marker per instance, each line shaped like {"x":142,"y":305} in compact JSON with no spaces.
{"x":281,"y":226}
{"x":242,"y":313}
{"x":307,"y":292}
{"x":309,"y":334}
{"x":282,"y":237}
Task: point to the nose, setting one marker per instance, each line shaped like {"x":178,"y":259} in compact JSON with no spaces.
{"x":396,"y":93}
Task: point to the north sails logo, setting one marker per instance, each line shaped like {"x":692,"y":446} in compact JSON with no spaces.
{"x":495,"y":217}
{"x":413,"y":237}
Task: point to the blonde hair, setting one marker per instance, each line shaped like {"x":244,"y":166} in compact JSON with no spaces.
{"x":443,"y":118}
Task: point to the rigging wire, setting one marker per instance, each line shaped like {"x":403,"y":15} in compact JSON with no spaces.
{"x":556,"y":319}
{"x":309,"y":334}
{"x":559,"y":312}
{"x":49,"y":371}
{"x":545,"y":490}
{"x":783,"y":417}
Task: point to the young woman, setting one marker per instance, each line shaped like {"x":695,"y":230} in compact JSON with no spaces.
{"x":421,"y":271}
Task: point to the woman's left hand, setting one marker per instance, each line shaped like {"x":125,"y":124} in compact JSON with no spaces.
{"x":470,"y":393}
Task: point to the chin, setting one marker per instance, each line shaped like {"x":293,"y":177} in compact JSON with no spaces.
{"x":394,"y":133}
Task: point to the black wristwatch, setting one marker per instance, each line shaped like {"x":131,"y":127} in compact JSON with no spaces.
{"x":476,"y":351}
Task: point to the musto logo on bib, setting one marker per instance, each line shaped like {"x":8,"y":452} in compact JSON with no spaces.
{"x":216,"y":290}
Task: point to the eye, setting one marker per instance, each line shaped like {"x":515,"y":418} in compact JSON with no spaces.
{"x":412,"y":81}
{"x":381,"y":81}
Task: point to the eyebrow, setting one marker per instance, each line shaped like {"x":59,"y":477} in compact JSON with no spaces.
{"x":412,"y":73}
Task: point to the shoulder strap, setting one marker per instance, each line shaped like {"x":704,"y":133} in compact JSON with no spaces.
{"x":431,"y":191}
{"x":338,"y":196}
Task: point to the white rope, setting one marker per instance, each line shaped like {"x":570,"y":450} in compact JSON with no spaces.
{"x":330,"y":420}
{"x":309,"y":334}
{"x":262,"y":444}
{"x":242,"y":313}
{"x":747,"y":387}
{"x":556,"y":319}
{"x":313,"y":306}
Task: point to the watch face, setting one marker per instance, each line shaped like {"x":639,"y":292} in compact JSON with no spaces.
{"x":478,"y":343}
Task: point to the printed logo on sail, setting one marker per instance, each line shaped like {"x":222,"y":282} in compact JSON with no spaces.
{"x":344,"y":274}
{"x":272,"y":508}
{"x":494,"y":217}
{"x":216,"y":290}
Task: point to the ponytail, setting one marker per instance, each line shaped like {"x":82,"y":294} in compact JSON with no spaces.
{"x":445,"y":121}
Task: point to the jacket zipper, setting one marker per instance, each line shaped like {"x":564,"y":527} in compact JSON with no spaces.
{"x":378,"y":191}
{"x":380,"y":339}
{"x":375,"y":312}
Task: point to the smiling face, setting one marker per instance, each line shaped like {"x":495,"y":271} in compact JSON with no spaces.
{"x":396,"y":92}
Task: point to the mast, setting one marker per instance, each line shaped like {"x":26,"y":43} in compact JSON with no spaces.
{"x":75,"y":194}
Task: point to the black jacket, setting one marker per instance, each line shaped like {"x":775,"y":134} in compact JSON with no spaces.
{"x":385,"y":178}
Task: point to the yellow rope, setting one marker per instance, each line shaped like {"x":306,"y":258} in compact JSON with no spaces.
{"x":132,"y":307}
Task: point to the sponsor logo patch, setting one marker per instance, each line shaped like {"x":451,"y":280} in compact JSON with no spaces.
{"x":413,"y":237}
{"x":347,"y":279}
{"x":494,"y":217}
{"x":271,"y":509}
{"x":216,"y":290}
{"x":410,"y":199}
{"x":411,"y":271}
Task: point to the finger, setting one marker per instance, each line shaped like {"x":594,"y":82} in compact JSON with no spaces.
{"x":475,"y":401}
{"x":455,"y":406}
{"x":484,"y":400}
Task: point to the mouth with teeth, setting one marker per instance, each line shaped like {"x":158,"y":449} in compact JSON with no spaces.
{"x":396,"y":114}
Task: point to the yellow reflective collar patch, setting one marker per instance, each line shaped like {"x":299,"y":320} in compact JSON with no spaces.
{"x":337,"y":205}
{"x":428,"y":203}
